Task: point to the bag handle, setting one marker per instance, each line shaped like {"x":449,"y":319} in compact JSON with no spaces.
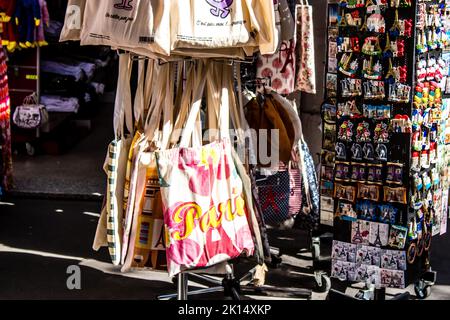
{"x":168,"y":109}
{"x":139,"y":100}
{"x":184,"y":96}
{"x":123,"y":105}
{"x":160,"y":73}
{"x":198,"y":89}
{"x":32,"y":99}
{"x":148,"y":87}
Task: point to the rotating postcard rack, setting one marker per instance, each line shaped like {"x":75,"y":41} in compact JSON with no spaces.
{"x":385,"y":152}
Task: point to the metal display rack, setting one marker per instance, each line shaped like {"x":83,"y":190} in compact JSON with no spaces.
{"x":341,"y":207}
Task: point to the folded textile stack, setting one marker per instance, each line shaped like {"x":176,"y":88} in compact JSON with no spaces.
{"x":60,"y":104}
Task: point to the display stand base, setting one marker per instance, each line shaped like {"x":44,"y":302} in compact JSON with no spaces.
{"x":232,"y":288}
{"x":378,"y":295}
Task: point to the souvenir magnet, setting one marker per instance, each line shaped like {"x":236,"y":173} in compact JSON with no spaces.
{"x":381,"y":152}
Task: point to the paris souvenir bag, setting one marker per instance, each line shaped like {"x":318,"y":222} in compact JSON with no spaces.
{"x":202,"y":193}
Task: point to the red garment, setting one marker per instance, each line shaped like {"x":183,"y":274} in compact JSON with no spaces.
{"x":9,"y":34}
{"x":5,"y":126}
{"x":8,"y":7}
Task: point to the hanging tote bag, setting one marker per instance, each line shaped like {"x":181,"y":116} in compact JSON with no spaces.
{"x":31,"y":114}
{"x":73,"y":21}
{"x":306,"y":72}
{"x":204,"y":208}
{"x":128,"y":24}
{"x":216,"y":24}
{"x":241,"y":161}
{"x":274,"y":192}
{"x":117,"y":159}
{"x":266,"y":114}
{"x":144,"y":232}
{"x":295,"y":197}
{"x":280,"y":67}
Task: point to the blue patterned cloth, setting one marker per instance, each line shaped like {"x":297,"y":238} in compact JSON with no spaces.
{"x":311,"y":220}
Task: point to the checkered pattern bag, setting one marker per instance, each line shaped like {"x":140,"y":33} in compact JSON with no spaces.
{"x":112,"y":223}
{"x":273,"y":192}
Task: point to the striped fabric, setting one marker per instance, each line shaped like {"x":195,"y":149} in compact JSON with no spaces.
{"x":112,"y":205}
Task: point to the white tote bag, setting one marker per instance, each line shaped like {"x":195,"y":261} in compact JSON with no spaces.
{"x":128,"y":24}
{"x":117,"y":159}
{"x":222,"y":24}
{"x":202,"y":193}
{"x":73,"y":21}
{"x":143,"y":226}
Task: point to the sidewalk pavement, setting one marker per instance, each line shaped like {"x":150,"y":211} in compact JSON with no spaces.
{"x":40,"y":239}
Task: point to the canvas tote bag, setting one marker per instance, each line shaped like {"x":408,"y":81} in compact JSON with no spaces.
{"x":144,"y":233}
{"x":73,"y":22}
{"x":204,"y":208}
{"x":241,"y":126}
{"x":306,"y":72}
{"x":128,"y":24}
{"x":117,"y":159}
{"x":280,"y":67}
{"x":222,"y":24}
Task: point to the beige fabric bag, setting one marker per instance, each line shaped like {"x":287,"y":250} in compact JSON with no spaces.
{"x":73,"y":22}
{"x":128,"y":24}
{"x":223,"y":24}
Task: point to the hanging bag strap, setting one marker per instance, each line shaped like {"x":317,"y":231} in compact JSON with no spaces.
{"x":198,"y":89}
{"x":153,"y":120}
{"x":123,"y":105}
{"x":167,"y":125}
{"x":185,"y":92}
{"x":139,"y":100}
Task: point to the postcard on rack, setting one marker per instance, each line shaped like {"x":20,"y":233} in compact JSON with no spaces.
{"x":371,"y":274}
{"x":392,"y":279}
{"x":368,"y":255}
{"x":343,"y":251}
{"x":379,"y":234}
{"x":393,"y":260}
{"x":344,"y":271}
{"x":360,"y":232}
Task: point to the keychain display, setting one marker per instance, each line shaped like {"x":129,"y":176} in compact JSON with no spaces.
{"x":395,"y":173}
{"x":381,"y":152}
{"x":346,"y":211}
{"x":381,"y":132}
{"x":341,"y":151}
{"x":388,"y":213}
{"x":345,"y":132}
{"x":393,"y":79}
{"x":368,"y":192}
{"x":395,"y":195}
{"x":359,"y":172}
{"x":343,"y":192}
{"x":375,"y":173}
{"x":374,"y":90}
{"x":369,"y":152}
{"x":357,"y":152}
{"x":348,"y":109}
{"x":366,"y":210}
{"x":363,"y":133}
{"x":342,"y":171}
{"x":351,"y":88}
